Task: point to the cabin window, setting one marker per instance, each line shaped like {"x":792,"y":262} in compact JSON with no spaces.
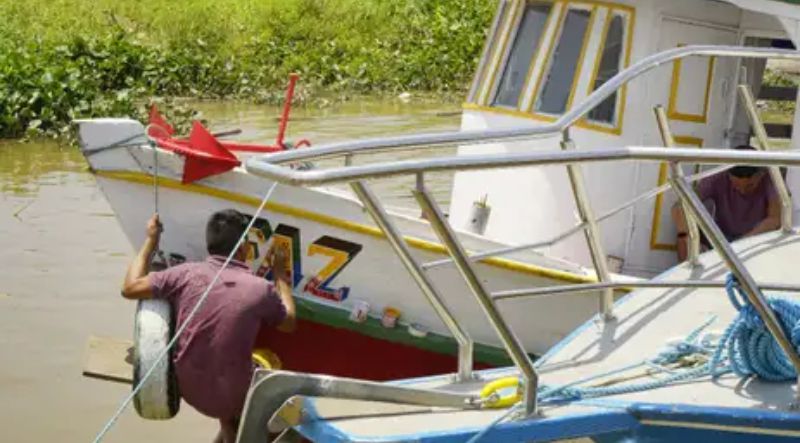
{"x":609,"y":67}
{"x":558,"y":84}
{"x":522,"y":51}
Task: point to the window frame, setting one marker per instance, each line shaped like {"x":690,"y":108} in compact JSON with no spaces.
{"x":628,"y":17}
{"x":506,"y":34}
{"x":495,"y":89}
{"x":499,"y":53}
{"x":554,"y":42}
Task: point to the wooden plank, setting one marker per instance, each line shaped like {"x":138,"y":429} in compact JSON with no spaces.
{"x":778,"y":130}
{"x":778,"y":93}
{"x":109,"y":359}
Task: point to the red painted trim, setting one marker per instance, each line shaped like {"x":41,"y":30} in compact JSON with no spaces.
{"x":324,"y":349}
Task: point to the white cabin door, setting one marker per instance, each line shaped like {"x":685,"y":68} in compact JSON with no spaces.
{"x":697,"y":93}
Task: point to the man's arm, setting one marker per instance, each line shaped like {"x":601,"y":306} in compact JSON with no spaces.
{"x":773,"y":219}
{"x":289,"y":323}
{"x":681,"y":242}
{"x":280,"y":271}
{"x":137,"y":283}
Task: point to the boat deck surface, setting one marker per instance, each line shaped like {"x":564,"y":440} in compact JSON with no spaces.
{"x":645,"y":321}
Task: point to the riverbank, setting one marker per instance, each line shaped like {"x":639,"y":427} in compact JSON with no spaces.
{"x":67,"y":59}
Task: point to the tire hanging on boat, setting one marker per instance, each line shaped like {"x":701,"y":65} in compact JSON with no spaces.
{"x":159,"y":397}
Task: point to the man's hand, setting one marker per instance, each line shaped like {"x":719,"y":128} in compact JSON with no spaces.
{"x":154,"y":229}
{"x":137,"y":285}
{"x":279,"y":262}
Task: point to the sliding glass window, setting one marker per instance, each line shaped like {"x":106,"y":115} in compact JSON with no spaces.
{"x":610,"y":63}
{"x":522,"y":52}
{"x":559,"y":82}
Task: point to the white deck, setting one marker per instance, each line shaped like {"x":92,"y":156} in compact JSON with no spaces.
{"x":646,"y":320}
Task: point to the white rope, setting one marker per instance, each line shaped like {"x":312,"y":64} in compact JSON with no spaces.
{"x":182,"y":327}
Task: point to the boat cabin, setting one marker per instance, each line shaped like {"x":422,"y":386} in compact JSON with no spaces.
{"x":544,"y":57}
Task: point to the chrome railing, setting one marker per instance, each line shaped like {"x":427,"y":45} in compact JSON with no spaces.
{"x":775,"y":174}
{"x":576,"y":113}
{"x":269,"y":167}
{"x":677,"y":156}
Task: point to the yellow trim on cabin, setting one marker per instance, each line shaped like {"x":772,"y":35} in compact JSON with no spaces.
{"x":512,"y":24}
{"x":655,"y":226}
{"x":576,"y":77}
{"x":539,"y":45}
{"x":672,"y":109}
{"x":507,"y":111}
{"x":629,"y":14}
{"x":502,"y":263}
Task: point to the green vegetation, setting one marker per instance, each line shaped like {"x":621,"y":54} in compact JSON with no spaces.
{"x":779,"y":111}
{"x":66,"y":59}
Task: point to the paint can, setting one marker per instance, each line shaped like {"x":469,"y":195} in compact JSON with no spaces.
{"x":390,"y":316}
{"x":479,"y":216}
{"x":359,"y":312}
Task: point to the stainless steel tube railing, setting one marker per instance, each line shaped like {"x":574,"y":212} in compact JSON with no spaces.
{"x":591,"y":231}
{"x":522,"y":159}
{"x":774,"y":172}
{"x":582,"y":288}
{"x":691,"y":224}
{"x":530,"y":379}
{"x":568,"y":157}
{"x":576,"y":113}
{"x":578,"y":227}
{"x":395,"y":238}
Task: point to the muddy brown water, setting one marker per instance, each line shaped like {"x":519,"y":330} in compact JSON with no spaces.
{"x":63,"y":257}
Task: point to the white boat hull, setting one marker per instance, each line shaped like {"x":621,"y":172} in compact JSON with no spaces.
{"x":340,"y":257}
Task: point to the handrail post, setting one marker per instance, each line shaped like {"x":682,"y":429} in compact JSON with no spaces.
{"x":775,"y":173}
{"x":378,"y":213}
{"x":748,"y":284}
{"x":530,"y":379}
{"x":591,"y":231}
{"x":691,"y":224}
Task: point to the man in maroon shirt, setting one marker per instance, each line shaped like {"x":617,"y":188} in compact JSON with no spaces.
{"x":743,"y":202}
{"x":213,"y":356}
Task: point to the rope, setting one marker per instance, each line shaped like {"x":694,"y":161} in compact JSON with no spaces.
{"x":155,"y":174}
{"x":746,"y":348}
{"x":110,"y":423}
{"x":748,"y":345}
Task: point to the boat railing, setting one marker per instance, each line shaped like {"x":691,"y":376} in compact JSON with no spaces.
{"x":357,"y":175}
{"x":576,"y":112}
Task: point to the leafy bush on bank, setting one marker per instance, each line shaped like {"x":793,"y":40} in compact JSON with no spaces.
{"x":67,"y":59}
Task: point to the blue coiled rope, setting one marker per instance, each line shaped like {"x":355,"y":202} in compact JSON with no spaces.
{"x":748,"y":346}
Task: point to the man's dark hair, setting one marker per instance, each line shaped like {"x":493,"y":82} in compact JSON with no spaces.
{"x":223,"y":231}
{"x":744,"y":171}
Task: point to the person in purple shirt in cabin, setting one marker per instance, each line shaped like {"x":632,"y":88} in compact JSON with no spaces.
{"x":213,"y":356}
{"x":743,"y":202}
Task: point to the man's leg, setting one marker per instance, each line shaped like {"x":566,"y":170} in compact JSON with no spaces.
{"x":227,"y":431}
